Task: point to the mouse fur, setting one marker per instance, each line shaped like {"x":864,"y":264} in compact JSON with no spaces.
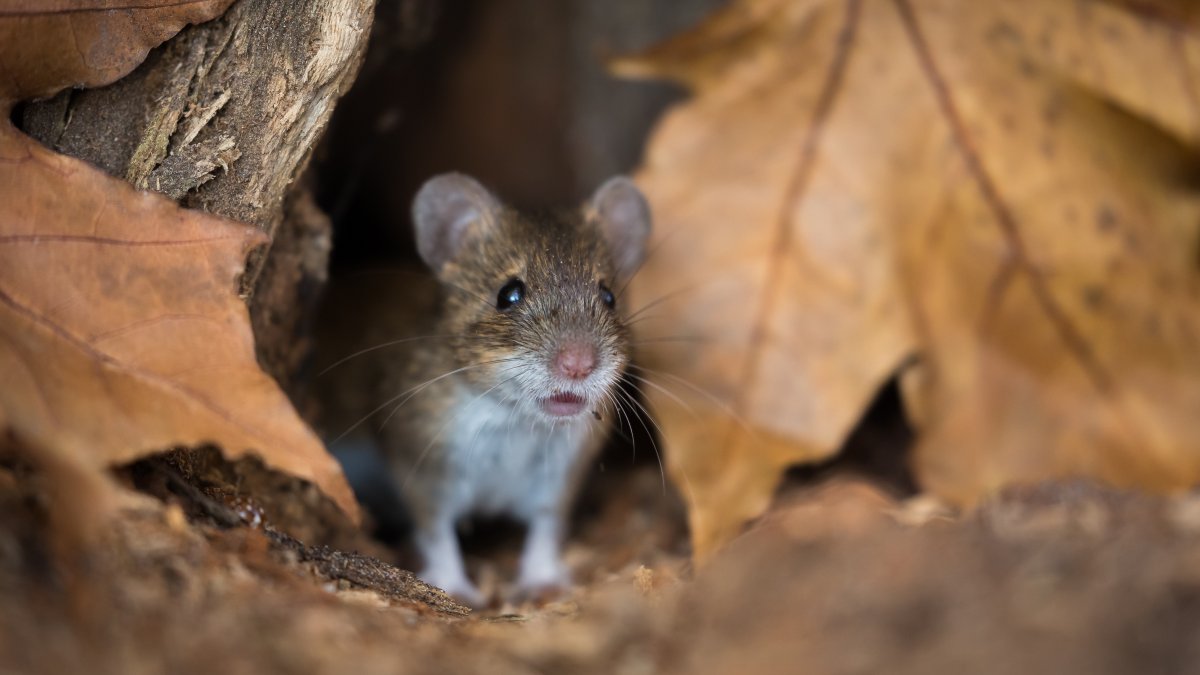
{"x":504,"y":414}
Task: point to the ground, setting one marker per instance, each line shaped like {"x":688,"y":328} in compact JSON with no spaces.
{"x":839,"y":577}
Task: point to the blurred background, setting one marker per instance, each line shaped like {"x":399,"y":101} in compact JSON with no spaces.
{"x":514,"y":93}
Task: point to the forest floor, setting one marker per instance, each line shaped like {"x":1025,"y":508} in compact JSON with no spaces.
{"x":837,"y":578}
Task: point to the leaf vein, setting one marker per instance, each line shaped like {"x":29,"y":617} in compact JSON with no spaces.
{"x":793,"y":193}
{"x":1076,"y":345}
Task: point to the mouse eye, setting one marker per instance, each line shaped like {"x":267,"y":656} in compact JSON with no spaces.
{"x":510,"y":294}
{"x":607,"y":297}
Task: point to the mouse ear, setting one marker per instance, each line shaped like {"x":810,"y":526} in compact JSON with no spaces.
{"x":623,"y":216}
{"x":450,"y":210}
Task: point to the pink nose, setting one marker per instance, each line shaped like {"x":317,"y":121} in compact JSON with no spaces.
{"x":575,"y":360}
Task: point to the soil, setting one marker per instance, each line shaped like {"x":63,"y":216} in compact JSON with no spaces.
{"x":198,"y":576}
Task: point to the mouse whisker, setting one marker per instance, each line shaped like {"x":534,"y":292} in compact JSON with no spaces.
{"x":611,"y":402}
{"x":689,"y":494}
{"x":392,"y":343}
{"x":660,"y":300}
{"x":632,"y":438}
{"x":430,"y":382}
{"x":640,"y":319}
{"x":410,"y":392}
{"x":712,"y":398}
{"x":642,"y":417}
{"x":420,"y":274}
{"x":666,"y":392}
{"x":458,"y":413}
{"x":672,"y":338}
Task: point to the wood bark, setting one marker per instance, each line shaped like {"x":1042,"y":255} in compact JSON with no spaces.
{"x":224,"y":117}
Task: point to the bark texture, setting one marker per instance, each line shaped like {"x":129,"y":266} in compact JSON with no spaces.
{"x":224,"y":117}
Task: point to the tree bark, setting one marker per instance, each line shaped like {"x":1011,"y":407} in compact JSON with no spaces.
{"x":224,"y":117}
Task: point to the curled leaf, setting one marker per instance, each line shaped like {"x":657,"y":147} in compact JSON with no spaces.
{"x":121,"y":332}
{"x":1002,"y":189}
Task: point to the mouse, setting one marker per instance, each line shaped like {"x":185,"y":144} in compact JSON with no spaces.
{"x":506,"y":391}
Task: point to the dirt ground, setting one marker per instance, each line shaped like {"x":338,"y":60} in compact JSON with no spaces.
{"x":838,"y":578}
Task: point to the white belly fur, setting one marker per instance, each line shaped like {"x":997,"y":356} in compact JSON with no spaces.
{"x":500,"y":461}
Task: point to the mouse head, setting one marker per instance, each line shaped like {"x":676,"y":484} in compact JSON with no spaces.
{"x":532,"y":298}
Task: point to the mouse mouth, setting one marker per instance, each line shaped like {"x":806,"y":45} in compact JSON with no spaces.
{"x":564,"y":404}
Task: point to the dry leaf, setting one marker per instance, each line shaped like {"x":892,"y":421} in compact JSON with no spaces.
{"x":1003,"y":189}
{"x":121,"y":333}
{"x":46,"y":45}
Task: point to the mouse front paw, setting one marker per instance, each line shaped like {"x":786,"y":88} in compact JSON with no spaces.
{"x":543,"y":581}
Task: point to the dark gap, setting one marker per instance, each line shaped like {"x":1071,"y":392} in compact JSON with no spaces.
{"x":877,"y":449}
{"x":16,"y":115}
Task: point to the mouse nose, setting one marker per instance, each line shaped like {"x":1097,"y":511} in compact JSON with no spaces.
{"x":575,"y":360}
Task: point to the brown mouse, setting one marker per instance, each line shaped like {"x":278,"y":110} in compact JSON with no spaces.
{"x":502,"y":414}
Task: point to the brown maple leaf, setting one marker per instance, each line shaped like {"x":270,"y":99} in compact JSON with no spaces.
{"x":121,"y":333}
{"x":1002,"y":189}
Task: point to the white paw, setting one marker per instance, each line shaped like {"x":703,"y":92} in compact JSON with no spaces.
{"x":543,"y":577}
{"x":456,"y":586}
